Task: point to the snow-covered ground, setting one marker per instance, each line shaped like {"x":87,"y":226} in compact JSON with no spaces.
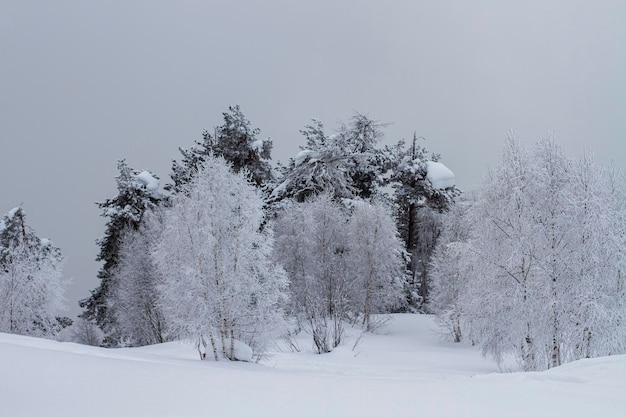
{"x":404,"y":370}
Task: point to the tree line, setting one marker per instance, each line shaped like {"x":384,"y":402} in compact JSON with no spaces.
{"x":234,"y":253}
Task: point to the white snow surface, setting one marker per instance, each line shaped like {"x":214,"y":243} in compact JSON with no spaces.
{"x":440,"y":176}
{"x":404,"y":370}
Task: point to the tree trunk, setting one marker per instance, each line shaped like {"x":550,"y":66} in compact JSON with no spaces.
{"x":232,"y":342}
{"x":214,"y":346}
{"x":201,"y":346}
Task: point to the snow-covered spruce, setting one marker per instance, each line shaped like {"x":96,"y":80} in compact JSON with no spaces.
{"x":424,"y":188}
{"x":345,"y":164}
{"x":236,"y":141}
{"x":137,"y":193}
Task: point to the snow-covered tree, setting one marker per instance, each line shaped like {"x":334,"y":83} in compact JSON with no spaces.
{"x":593,"y":324}
{"x":546,"y":256}
{"x":237,"y":142}
{"x":311,"y":245}
{"x":134,"y":281}
{"x":424,"y":188}
{"x":375,"y":261}
{"x":345,"y":164}
{"x":451,"y":264}
{"x":219,"y":285}
{"x":505,"y":292}
{"x":344,"y":262}
{"x":31,"y":284}
{"x":138,"y":192}
{"x":184,"y":171}
{"x":84,"y":332}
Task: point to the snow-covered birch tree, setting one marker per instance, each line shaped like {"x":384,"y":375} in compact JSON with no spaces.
{"x":375,"y":261}
{"x":219,"y":284}
{"x":451,"y":265}
{"x":344,"y":262}
{"x":311,"y":245}
{"x":134,"y":281}
{"x":546,"y":255}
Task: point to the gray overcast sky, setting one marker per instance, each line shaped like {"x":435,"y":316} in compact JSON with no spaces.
{"x":84,"y":83}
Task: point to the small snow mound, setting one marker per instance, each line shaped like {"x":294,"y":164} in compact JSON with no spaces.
{"x":243,"y":352}
{"x":257,"y":145}
{"x":151,"y":183}
{"x":439,"y":175}
{"x":279,"y":190}
{"x":304,"y":155}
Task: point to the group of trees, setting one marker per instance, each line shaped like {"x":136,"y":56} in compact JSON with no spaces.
{"x":349,"y":165}
{"x":532,"y":265}
{"x":235,"y":248}
{"x":344,"y":262}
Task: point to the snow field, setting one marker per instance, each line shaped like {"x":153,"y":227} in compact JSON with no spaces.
{"x":404,"y":370}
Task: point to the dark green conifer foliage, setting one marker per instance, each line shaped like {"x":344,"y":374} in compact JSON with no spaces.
{"x":237,"y":142}
{"x":346,"y":164}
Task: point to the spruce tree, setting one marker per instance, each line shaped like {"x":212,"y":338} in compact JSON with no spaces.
{"x":346,"y":164}
{"x":137,"y":193}
{"x":237,"y":142}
